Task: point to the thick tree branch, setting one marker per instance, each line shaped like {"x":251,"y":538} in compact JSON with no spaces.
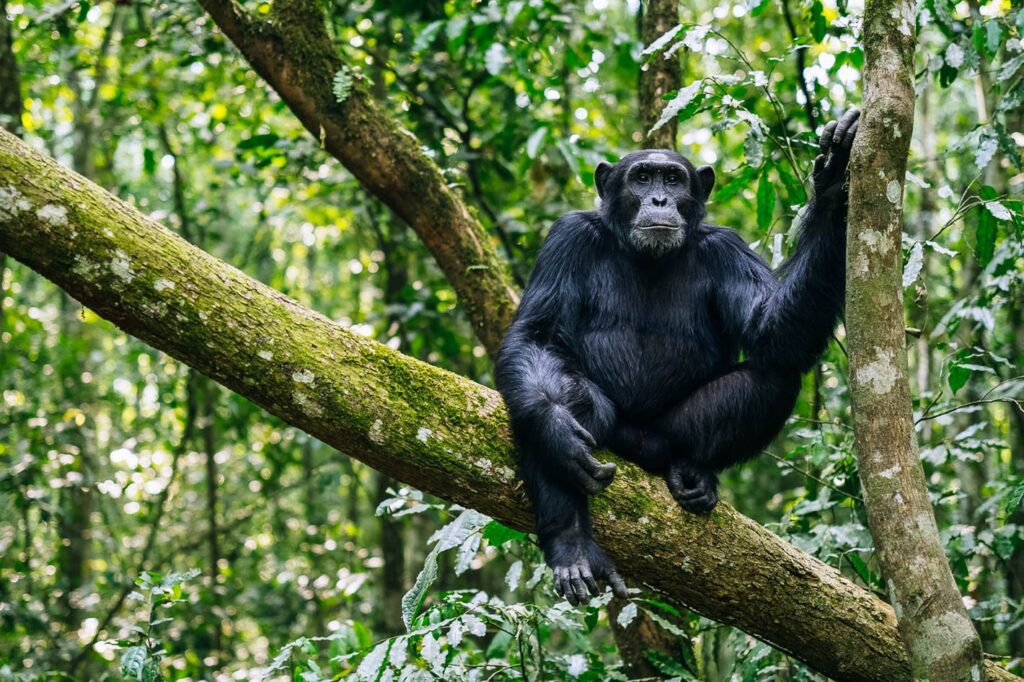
{"x":419,"y":424}
{"x":293,"y":52}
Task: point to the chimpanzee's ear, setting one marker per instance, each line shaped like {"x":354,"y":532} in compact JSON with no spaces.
{"x":601,"y":174}
{"x":706,"y":174}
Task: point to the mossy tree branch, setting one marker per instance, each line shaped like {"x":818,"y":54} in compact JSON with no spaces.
{"x":430,"y":428}
{"x":294,"y":54}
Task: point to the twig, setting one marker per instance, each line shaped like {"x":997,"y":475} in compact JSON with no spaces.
{"x":812,"y":476}
{"x":1013,"y":401}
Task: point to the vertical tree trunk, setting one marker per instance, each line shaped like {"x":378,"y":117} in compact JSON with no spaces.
{"x":10,"y":80}
{"x":660,"y":76}
{"x":933,"y":623}
{"x":209,"y":434}
{"x":10,"y":118}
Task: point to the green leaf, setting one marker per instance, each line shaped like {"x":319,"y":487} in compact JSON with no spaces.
{"x":497,"y":534}
{"x":765,"y":202}
{"x":413,"y":599}
{"x":677,"y":104}
{"x":535,"y":143}
{"x":818,"y":23}
{"x":342,"y":84}
{"x":958,"y":376}
{"x":993,"y":37}
{"x":757,"y":7}
{"x":739,"y":182}
{"x":985,"y":237}
{"x":1011,"y":502}
{"x":133,"y":662}
{"x":263,"y":141}
{"x":869,"y":577}
{"x":148,"y":161}
{"x":427,"y":36}
{"x":626,"y":615}
{"x":915,"y":261}
{"x":662,"y":41}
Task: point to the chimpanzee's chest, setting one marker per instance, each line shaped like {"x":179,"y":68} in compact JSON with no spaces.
{"x":647,"y":337}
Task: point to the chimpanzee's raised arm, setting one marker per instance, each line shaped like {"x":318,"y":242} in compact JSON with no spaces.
{"x":789,"y":324}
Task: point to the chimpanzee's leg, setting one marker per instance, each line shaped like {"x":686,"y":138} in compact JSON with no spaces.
{"x":564,"y":531}
{"x":728,"y":420}
{"x":559,"y":472}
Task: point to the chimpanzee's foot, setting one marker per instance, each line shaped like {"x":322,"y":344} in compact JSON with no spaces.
{"x":578,"y":569}
{"x":695,"y":489}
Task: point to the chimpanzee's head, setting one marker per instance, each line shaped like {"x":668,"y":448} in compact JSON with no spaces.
{"x":652,"y":199}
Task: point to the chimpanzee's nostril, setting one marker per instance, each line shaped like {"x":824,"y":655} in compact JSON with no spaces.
{"x":659,"y":201}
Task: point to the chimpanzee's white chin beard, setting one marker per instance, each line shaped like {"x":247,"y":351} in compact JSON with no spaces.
{"x":657,"y":240}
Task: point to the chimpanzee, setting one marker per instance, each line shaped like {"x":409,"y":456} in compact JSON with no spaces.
{"x":629,"y":338}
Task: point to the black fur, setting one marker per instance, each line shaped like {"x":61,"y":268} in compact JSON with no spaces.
{"x":621,"y":344}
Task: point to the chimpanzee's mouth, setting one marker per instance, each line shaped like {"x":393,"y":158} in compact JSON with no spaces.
{"x":660,"y":226}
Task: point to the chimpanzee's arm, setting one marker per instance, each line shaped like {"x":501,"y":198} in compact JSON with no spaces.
{"x":546,"y":398}
{"x":789,"y":326}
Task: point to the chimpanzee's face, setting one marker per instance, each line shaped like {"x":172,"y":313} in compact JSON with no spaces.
{"x":653,"y":198}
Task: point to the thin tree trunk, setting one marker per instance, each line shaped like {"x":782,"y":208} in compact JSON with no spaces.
{"x":209,"y":434}
{"x":660,"y":75}
{"x":10,"y":79}
{"x":933,"y":622}
{"x":10,"y":118}
{"x":433,"y":429}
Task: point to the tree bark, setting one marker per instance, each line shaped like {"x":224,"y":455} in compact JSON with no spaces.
{"x":433,"y":429}
{"x":660,"y":75}
{"x":933,"y":622}
{"x":10,"y":80}
{"x":293,"y":52}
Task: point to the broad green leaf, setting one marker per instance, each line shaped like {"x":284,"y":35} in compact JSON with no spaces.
{"x":985,"y":242}
{"x":259,"y":141}
{"x":958,"y":376}
{"x":497,"y":534}
{"x":818,"y":23}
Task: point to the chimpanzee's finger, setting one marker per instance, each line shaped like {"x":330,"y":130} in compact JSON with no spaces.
{"x":847,"y":120}
{"x":826,"y":136}
{"x":583,"y":434}
{"x":850,"y":134}
{"x":578,"y":586}
{"x":618,"y":587}
{"x":588,"y":578}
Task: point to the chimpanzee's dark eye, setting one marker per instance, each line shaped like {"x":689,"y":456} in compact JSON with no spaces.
{"x":672,"y":179}
{"x":643,"y":178}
